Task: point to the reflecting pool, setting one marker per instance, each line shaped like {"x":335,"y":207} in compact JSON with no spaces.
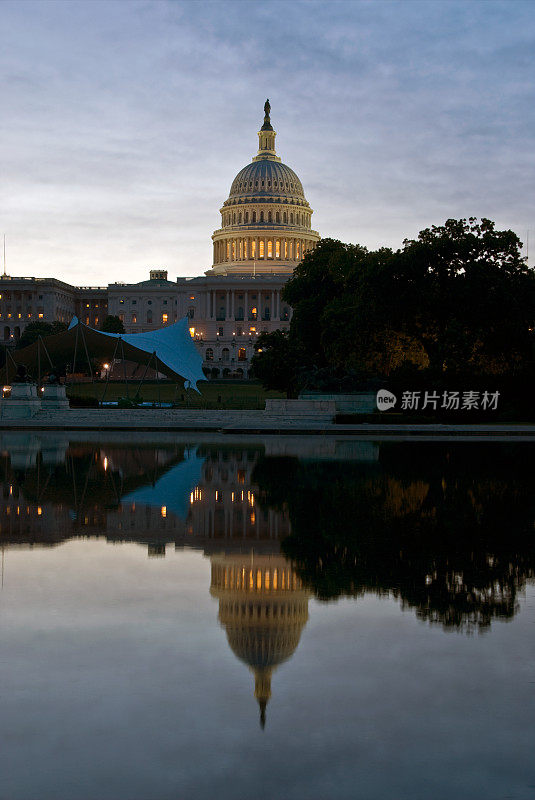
{"x":286,"y":617}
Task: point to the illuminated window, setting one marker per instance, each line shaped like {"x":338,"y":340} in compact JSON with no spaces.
{"x":192,"y":332}
{"x":261,"y":248}
{"x":209,"y":354}
{"x":285,"y":249}
{"x":270,"y":249}
{"x":134,"y":318}
{"x":228,"y":251}
{"x":40,"y":315}
{"x":241,"y":354}
{"x":164,"y":318}
{"x":254,"y":313}
{"x":192,"y":297}
{"x":121,"y":317}
{"x":234,"y":251}
{"x":253,"y":249}
{"x":19,"y":315}
{"x":297,"y":248}
{"x":96,"y":320}
{"x":278,"y":249}
{"x":241,"y":249}
{"x":245,"y":249}
{"x":87,"y":305}
{"x":163,"y":511}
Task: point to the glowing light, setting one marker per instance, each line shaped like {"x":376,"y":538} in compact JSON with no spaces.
{"x":164,"y":511}
{"x":105,"y":464}
{"x":192,"y":332}
{"x":106,"y":366}
{"x":39,"y":511}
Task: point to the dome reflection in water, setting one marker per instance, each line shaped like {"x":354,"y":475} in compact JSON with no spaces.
{"x":445,"y":529}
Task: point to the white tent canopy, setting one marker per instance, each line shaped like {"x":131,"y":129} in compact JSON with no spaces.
{"x":172,"y":345}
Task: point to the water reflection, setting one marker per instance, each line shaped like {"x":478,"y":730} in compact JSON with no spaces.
{"x":263,"y":608}
{"x":447,"y":530}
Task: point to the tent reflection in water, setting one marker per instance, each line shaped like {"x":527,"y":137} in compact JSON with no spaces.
{"x":170,"y":350}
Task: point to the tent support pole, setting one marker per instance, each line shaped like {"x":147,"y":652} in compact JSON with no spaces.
{"x":38,"y":362}
{"x":158,"y":380}
{"x":124,"y":370}
{"x":75,"y":348}
{"x":108,"y":375}
{"x":149,"y":362}
{"x":87,"y":355}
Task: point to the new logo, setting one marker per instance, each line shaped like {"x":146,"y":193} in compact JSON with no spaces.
{"x":385,"y":400}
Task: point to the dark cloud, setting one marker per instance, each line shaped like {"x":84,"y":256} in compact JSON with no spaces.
{"x":125,"y":122}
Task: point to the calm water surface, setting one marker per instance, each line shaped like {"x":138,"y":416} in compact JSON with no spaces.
{"x":285,"y":619}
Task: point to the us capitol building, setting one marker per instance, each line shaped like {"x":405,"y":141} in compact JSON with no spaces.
{"x":265,"y":232}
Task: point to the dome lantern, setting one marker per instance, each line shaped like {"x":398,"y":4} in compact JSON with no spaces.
{"x":266,"y":138}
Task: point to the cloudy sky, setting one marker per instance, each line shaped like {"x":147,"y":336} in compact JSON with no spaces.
{"x":123,"y":123}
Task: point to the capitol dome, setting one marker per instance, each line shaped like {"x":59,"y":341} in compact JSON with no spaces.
{"x":263,"y":608}
{"x":266,"y":219}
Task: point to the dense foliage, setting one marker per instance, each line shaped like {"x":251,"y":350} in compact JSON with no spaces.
{"x":112,"y":324}
{"x":34,"y":330}
{"x":458,"y":299}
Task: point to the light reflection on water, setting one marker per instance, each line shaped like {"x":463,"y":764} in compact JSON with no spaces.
{"x":117,"y":680}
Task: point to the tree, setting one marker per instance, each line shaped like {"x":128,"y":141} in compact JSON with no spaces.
{"x":277,"y":361}
{"x":464,"y":292}
{"x":34,"y":330}
{"x":112,"y":324}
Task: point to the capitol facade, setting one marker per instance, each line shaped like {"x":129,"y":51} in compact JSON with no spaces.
{"x":266,"y":230}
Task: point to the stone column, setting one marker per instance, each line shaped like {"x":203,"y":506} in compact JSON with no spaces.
{"x":272,"y":309}
{"x":232,"y":296}
{"x":246,"y":305}
{"x":227,"y":306}
{"x":259,"y":307}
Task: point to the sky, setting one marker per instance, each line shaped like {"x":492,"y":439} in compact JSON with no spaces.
{"x":124,"y":123}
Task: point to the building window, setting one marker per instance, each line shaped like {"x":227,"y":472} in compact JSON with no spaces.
{"x":278,"y":216}
{"x":261,"y":249}
{"x":134,"y":319}
{"x":191,"y":312}
{"x":220,"y":331}
{"x":239,"y":314}
{"x":297,"y":248}
{"x":209,"y":354}
{"x":225,"y":354}
{"x":164,"y":319}
{"x":253,"y":249}
{"x":192,"y":332}
{"x":134,"y":302}
{"x":40,"y":315}
{"x":254,"y":313}
{"x":270,"y":249}
{"x":149,"y":302}
{"x":277,"y":249}
{"x":149,"y":317}
{"x":254,"y":216}
{"x":269,"y":216}
{"x":261,"y":216}
{"x":121,"y":317}
{"x":291,"y":219}
{"x":241,"y":354}
{"x":228,"y":251}
{"x":246,"y":217}
{"x":245,"y":249}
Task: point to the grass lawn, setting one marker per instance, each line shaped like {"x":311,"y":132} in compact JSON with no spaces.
{"x":213,"y":394}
